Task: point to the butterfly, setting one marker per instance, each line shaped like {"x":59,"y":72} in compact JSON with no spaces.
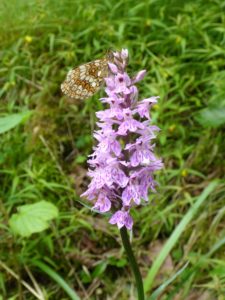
{"x":84,"y":81}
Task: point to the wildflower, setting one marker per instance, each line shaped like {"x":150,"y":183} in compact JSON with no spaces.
{"x":122,"y":218}
{"x":123,"y":162}
{"x":28,"y":39}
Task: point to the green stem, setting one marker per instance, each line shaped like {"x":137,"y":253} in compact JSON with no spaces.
{"x":133,"y":263}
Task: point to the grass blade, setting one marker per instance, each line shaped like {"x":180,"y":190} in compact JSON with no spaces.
{"x":175,"y":236}
{"x":57,"y":278}
{"x":166,"y":283}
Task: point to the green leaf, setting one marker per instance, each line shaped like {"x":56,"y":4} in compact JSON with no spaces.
{"x":175,"y":236}
{"x":119,"y":263}
{"x":80,"y":159}
{"x":33,"y":218}
{"x":99,"y":270}
{"x":211,"y":117}
{"x":218,"y":271}
{"x":11,"y":121}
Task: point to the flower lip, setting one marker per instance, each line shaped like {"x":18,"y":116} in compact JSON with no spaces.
{"x":122,"y":218}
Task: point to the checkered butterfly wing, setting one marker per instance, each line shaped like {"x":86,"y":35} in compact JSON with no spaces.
{"x":85,"y":80}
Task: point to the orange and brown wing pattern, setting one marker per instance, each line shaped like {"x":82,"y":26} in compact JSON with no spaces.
{"x":85,"y":80}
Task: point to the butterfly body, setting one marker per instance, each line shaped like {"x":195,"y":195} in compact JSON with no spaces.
{"x":85,"y":80}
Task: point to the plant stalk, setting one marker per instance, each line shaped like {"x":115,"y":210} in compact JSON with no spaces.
{"x":133,"y":263}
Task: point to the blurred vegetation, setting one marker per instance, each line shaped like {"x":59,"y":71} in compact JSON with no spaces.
{"x":181,"y":44}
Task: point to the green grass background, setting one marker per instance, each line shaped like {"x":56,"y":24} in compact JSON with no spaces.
{"x":182,"y":46}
